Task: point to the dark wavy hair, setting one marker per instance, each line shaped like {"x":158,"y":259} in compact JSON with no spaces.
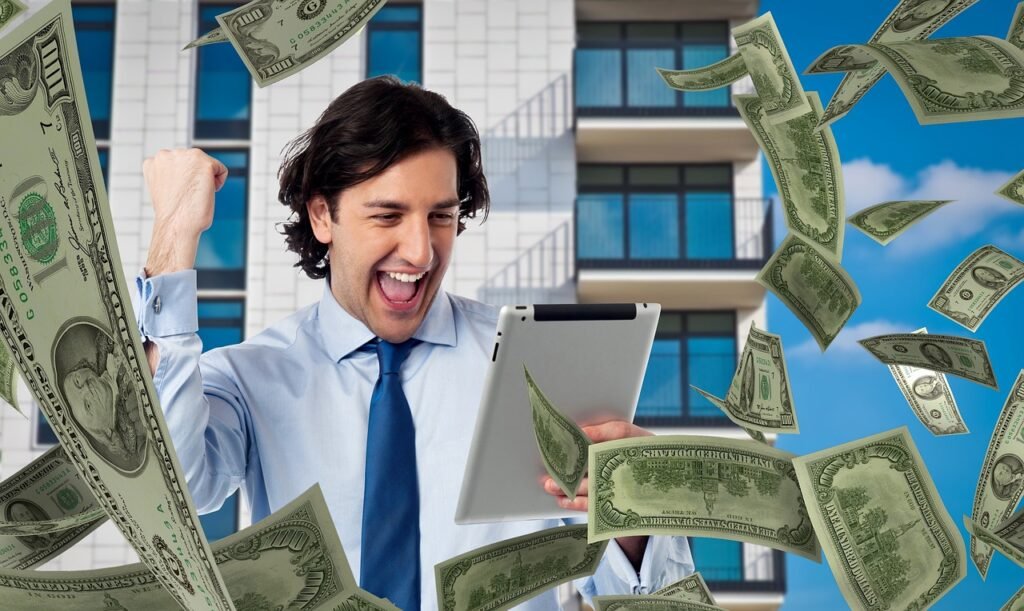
{"x":365,"y":130}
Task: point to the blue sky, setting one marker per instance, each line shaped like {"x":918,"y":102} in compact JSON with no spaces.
{"x":845,"y":394}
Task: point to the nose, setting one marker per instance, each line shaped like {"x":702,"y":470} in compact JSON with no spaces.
{"x":415,"y":246}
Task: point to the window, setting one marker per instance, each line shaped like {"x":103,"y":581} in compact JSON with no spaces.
{"x":654,"y":215}
{"x":696,"y":348}
{"x":220,"y":261}
{"x":223,"y":85}
{"x":615,"y":66}
{"x":395,"y":43}
{"x":94,"y":31}
{"x":718,"y":559}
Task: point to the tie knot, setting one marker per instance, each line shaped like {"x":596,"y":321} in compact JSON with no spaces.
{"x":391,"y":356}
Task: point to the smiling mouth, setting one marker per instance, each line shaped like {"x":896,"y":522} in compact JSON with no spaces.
{"x":399,"y":293}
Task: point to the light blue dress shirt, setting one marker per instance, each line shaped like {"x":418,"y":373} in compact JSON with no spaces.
{"x":288,"y":408}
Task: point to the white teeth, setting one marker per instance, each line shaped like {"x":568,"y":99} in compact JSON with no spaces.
{"x":406,"y":277}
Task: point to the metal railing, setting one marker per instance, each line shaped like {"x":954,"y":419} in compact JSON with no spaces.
{"x":543,"y":273}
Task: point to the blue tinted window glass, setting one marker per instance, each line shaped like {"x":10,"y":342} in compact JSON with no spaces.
{"x":599,"y":225}
{"x":653,"y":226}
{"x":94,"y":31}
{"x":719,"y":560}
{"x":395,"y":52}
{"x":695,"y":56}
{"x":104,"y":155}
{"x":598,"y":77}
{"x":645,"y":87}
{"x":709,"y":231}
{"x":222,"y":246}
{"x":220,"y":308}
{"x":44,"y":434}
{"x":222,"y":522}
{"x":711,"y":364}
{"x":223,"y":85}
{"x":397,"y":14}
{"x":661,"y":390}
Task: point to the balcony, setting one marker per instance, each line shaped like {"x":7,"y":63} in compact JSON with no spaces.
{"x":686,"y":251}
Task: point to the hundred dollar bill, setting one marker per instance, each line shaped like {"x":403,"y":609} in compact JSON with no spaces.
{"x":698,"y":486}
{"x":47,"y":496}
{"x":9,"y":9}
{"x":775,"y":79}
{"x":885,"y":222}
{"x":807,"y":171}
{"x":720,"y":404}
{"x":712,"y":76}
{"x":562,"y":444}
{"x":976,"y":286}
{"x":930,"y":398}
{"x":910,"y":20}
{"x":214,"y":36}
{"x":691,"y":587}
{"x":506,"y":573}
{"x":759,"y":396}
{"x":886,"y":534}
{"x":947,"y":80}
{"x":1016,"y":34}
{"x":66,"y":315}
{"x":361,"y":600}
{"x":1014,"y":189}
{"x":278,"y":38}
{"x":813,"y":286}
{"x":292,"y":559}
{"x":959,"y":356}
{"x":9,"y":380}
{"x":994,"y":541}
{"x":649,"y":603}
{"x":1016,"y":602}
{"x":1001,"y":479}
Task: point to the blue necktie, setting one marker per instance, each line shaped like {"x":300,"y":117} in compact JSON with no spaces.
{"x":390,"y":561}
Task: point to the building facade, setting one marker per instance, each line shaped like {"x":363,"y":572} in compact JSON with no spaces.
{"x":606,"y":186}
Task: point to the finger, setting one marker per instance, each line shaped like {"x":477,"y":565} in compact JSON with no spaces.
{"x":577,"y":504}
{"x":552,"y":487}
{"x":220,"y":174}
{"x":614,"y":429}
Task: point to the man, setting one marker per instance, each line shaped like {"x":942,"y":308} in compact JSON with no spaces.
{"x":379,"y":189}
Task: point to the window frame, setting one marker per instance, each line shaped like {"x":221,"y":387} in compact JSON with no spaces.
{"x":378,"y":26}
{"x":237,"y":131}
{"x":102,"y":144}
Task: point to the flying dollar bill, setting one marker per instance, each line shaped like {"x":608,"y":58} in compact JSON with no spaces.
{"x":1013,"y":190}
{"x":976,"y":286}
{"x":361,"y":600}
{"x":649,"y":603}
{"x":993,"y":540}
{"x":1016,"y":34}
{"x":807,"y":171}
{"x":1001,"y":479}
{"x":712,"y":76}
{"x":930,"y":398}
{"x":47,"y":496}
{"x":813,"y":286}
{"x":503,"y":574}
{"x":278,"y":38}
{"x":948,"y":80}
{"x":959,"y":356}
{"x":214,"y":36}
{"x":775,"y":79}
{"x":292,"y":559}
{"x":910,"y":20}
{"x":1016,"y":602}
{"x":885,"y":222}
{"x":698,"y":486}
{"x":66,"y":315}
{"x":886,"y":534}
{"x":562,"y":444}
{"x":759,"y":396}
{"x":9,"y":380}
{"x":692,"y":588}
{"x":720,"y":404}
{"x":9,"y":9}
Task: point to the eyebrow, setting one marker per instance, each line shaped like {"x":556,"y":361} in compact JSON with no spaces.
{"x":393,"y":205}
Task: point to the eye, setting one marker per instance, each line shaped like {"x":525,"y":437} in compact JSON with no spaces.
{"x":386,"y":217}
{"x":445,"y":217}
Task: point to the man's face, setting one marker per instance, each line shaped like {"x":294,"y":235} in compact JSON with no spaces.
{"x":21,"y":513}
{"x":1002,"y":474}
{"x":403,"y":220}
{"x":92,"y":401}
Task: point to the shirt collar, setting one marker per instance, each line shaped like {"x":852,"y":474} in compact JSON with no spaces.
{"x":342,"y":333}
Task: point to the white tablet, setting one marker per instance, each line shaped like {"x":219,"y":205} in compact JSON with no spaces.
{"x":588,"y":359}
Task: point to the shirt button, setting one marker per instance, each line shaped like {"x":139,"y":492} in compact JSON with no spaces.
{"x":156,"y":304}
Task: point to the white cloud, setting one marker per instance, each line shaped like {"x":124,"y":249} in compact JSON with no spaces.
{"x":869,"y":183}
{"x":845,"y":344}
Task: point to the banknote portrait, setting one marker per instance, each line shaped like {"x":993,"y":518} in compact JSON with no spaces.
{"x":936,"y":355}
{"x":21,"y":510}
{"x":93,"y":380}
{"x":988,"y":277}
{"x":927,"y":387}
{"x":1007,"y":474}
{"x":917,"y":13}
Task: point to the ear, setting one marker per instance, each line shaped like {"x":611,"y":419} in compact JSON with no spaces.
{"x":320,"y":218}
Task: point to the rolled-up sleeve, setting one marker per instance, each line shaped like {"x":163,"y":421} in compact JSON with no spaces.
{"x":666,"y":560}
{"x":208,"y":424}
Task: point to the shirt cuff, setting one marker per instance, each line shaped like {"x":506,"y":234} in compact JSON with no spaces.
{"x":167,"y":304}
